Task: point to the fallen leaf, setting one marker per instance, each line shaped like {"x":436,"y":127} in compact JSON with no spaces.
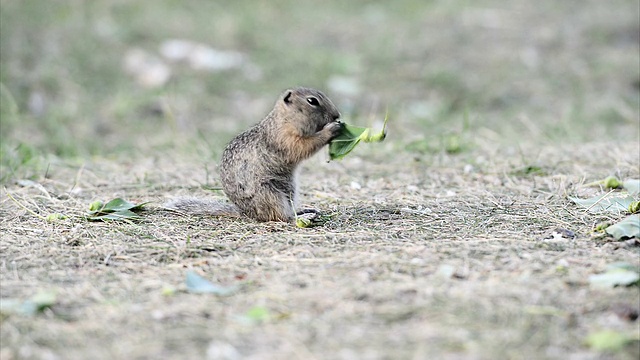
{"x":258,"y":314}
{"x":611,"y":182}
{"x":115,"y":209}
{"x":36,"y":304}
{"x":621,"y":266}
{"x":617,"y":274}
{"x":605,"y":203}
{"x":608,"y":340}
{"x":168,"y":290}
{"x":199,"y":285}
{"x":117,"y":204}
{"x":302,"y":222}
{"x":55,"y":217}
{"x":632,"y":186}
{"x":628,"y":227}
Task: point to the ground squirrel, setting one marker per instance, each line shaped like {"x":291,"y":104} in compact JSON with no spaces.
{"x":259,"y":166}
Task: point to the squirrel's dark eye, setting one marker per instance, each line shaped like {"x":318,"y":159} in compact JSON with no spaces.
{"x":313,"y":101}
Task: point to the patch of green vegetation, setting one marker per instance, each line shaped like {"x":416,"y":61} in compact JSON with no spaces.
{"x":21,"y":161}
{"x":444,"y":139}
{"x":611,"y":341}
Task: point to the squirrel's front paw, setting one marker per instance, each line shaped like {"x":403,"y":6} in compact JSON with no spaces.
{"x":333,"y":128}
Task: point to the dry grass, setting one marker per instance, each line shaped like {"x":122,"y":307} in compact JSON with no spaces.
{"x":437,"y":244}
{"x":422,"y":262}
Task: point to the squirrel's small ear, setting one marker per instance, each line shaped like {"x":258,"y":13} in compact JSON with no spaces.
{"x":287,"y":97}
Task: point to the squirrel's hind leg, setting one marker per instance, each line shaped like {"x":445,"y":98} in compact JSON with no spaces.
{"x":273,"y":206}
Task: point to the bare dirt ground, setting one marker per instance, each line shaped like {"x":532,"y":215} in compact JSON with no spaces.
{"x":438,"y":243}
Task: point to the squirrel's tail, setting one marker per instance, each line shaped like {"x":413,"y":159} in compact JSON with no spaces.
{"x":195,"y":206}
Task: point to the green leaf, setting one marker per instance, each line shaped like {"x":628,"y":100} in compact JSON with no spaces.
{"x":258,"y":314}
{"x":114,"y":205}
{"x":36,"y":304}
{"x":611,"y":182}
{"x":43,"y":300}
{"x":608,"y":340}
{"x":117,"y":209}
{"x":123,"y":215}
{"x":350,"y":136}
{"x":117,"y":204}
{"x":628,"y":227}
{"x":605,"y":203}
{"x":621,"y":266}
{"x":453,"y":144}
{"x":632,"y":186}
{"x":169,"y":290}
{"x":303,"y":222}
{"x":199,"y":285}
{"x":345,"y":142}
{"x":615,"y":277}
{"x":95,"y":206}
{"x":55,"y":217}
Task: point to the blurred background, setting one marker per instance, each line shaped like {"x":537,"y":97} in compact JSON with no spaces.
{"x":107,"y":78}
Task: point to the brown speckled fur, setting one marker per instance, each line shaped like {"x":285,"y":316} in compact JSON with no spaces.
{"x":258,"y":167}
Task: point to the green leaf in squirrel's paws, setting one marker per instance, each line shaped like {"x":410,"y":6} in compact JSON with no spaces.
{"x":198,"y":284}
{"x":351,"y":135}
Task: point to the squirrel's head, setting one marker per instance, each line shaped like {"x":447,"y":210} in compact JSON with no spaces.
{"x":309,"y":108}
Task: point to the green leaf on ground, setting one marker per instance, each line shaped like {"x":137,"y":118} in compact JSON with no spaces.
{"x":612,"y":182}
{"x":351,"y":136}
{"x":36,"y":304}
{"x":117,"y":204}
{"x":307,"y":220}
{"x":258,"y":314}
{"x":55,"y":217}
{"x":609,"y":340}
{"x":606,"y":203}
{"x":617,"y":274}
{"x":302,"y":222}
{"x":199,"y":285}
{"x":116,"y":209}
{"x":632,"y":186}
{"x":168,"y":290}
{"x":628,"y":227}
{"x":621,"y":266}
